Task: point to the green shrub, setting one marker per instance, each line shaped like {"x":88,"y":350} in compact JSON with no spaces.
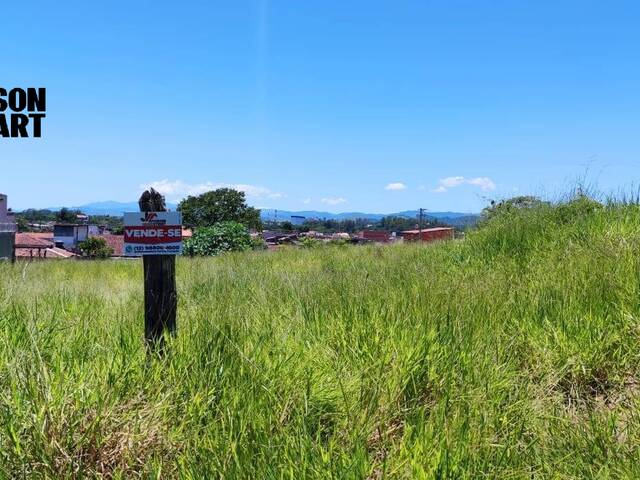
{"x":258,"y":243}
{"x":95,"y":247}
{"x":219,"y":238}
{"x":310,"y":242}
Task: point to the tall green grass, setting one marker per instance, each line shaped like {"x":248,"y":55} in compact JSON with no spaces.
{"x":512,"y":354}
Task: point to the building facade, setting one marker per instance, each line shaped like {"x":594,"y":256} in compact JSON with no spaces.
{"x":6,"y":216}
{"x":428,"y":234}
{"x":7,"y":229}
{"x":68,"y":236}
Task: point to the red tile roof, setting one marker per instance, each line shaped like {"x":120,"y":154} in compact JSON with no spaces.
{"x":39,"y":245}
{"x":56,"y":252}
{"x":116,"y":242}
{"x":42,"y":235}
{"x":28,"y":240}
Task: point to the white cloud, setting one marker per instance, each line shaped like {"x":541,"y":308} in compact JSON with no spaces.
{"x":177,"y":189}
{"x":485,"y":183}
{"x":306,"y":201}
{"x":396,"y":186}
{"x":333,"y":200}
{"x":450,"y":182}
{"x":444,"y":184}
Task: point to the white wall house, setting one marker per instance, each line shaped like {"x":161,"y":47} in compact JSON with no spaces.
{"x":69,"y":235}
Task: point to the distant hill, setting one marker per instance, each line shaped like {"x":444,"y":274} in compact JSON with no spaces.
{"x":115,"y":209}
{"x":457,"y":219}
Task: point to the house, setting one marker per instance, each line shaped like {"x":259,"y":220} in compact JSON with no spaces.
{"x":69,"y":235}
{"x":428,"y":234}
{"x":38,"y":246}
{"x":28,"y":246}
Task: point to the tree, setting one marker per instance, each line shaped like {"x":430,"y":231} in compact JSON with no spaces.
{"x":286,"y":226}
{"x":23,"y":225}
{"x":95,"y":247}
{"x":37,"y":216}
{"x":221,"y":205}
{"x":219,"y":238}
{"x":66,"y":215}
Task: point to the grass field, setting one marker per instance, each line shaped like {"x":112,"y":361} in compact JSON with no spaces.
{"x":512,"y":354}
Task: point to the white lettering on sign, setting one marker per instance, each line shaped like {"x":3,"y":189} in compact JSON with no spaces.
{"x":155,"y":233}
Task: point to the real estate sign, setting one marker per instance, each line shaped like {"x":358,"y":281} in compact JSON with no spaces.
{"x":152,"y":233}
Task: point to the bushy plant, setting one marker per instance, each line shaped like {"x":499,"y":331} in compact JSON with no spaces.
{"x":95,"y":247}
{"x":258,"y":243}
{"x":219,"y":238}
{"x":310,"y":242}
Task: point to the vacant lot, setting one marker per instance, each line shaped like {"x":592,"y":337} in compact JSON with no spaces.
{"x":512,"y":354}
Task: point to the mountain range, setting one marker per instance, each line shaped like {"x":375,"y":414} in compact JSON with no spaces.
{"x":453,"y":218}
{"x":457,"y":219}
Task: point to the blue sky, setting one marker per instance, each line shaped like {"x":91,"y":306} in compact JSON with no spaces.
{"x":373,"y":106}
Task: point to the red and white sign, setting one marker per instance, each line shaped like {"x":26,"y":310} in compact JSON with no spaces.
{"x":152,"y":233}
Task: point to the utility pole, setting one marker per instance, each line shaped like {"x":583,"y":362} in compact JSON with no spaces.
{"x":420,"y":223}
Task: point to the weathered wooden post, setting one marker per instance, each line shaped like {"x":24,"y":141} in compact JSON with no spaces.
{"x":160,"y":293}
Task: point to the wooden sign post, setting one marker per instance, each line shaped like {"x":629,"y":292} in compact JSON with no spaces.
{"x":149,"y":235}
{"x":160,"y":298}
